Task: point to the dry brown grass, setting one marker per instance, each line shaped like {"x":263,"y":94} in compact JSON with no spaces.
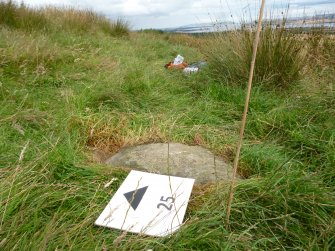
{"x":109,"y":135}
{"x":70,"y":19}
{"x":321,"y":49}
{"x":21,"y":49}
{"x":53,"y":19}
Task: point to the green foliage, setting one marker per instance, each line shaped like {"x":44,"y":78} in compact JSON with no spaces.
{"x":280,"y":56}
{"x":54,"y":19}
{"x":21,"y":17}
{"x":152,"y":31}
{"x":287,"y":208}
{"x":119,"y":28}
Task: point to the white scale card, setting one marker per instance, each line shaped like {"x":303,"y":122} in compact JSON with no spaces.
{"x":148,"y":203}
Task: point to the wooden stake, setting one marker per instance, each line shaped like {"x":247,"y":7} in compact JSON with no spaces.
{"x":244,"y":118}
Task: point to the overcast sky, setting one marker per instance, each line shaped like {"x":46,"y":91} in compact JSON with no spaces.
{"x":174,"y":13}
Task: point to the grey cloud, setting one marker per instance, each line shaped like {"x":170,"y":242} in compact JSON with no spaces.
{"x":167,"y":13}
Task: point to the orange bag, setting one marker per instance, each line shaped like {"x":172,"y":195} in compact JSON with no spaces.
{"x":170,"y":65}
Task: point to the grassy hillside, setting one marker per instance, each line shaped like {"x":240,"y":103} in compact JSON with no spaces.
{"x":70,"y":96}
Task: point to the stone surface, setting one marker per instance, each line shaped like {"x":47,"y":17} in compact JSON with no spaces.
{"x":184,"y":161}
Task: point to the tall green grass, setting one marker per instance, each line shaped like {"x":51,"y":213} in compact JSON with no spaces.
{"x":54,"y":19}
{"x":280,"y":56}
{"x":21,"y":17}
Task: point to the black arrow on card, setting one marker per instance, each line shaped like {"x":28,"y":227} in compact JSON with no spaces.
{"x":134,"y":197}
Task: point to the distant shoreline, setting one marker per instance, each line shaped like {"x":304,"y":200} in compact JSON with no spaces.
{"x":307,"y":23}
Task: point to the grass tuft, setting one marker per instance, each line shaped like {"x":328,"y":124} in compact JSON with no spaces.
{"x":280,"y":56}
{"x":119,"y":28}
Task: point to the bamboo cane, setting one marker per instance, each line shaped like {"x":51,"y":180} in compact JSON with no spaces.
{"x":245,"y":112}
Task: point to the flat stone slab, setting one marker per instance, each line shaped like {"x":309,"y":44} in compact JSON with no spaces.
{"x":174,"y":159}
